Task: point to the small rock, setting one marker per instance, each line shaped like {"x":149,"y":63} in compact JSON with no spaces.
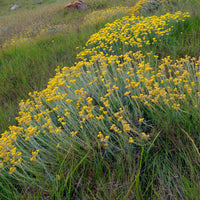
{"x":15,"y":7}
{"x":38,"y":2}
{"x":77,"y":5}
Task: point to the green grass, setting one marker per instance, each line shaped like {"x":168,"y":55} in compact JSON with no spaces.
{"x":168,"y":167}
{"x":184,"y":40}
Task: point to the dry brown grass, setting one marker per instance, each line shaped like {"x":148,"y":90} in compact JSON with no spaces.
{"x":20,"y":21}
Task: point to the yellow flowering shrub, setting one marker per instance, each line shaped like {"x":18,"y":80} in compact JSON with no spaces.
{"x":101,"y":101}
{"x":131,"y":32}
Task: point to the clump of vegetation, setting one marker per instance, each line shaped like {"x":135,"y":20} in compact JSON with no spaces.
{"x":118,"y":124}
{"x":131,"y":33}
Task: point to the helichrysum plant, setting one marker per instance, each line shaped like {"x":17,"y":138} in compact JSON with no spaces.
{"x":99,"y":102}
{"x":131,"y":32}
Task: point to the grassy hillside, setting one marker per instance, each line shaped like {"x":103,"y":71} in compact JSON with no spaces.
{"x":111,"y":101}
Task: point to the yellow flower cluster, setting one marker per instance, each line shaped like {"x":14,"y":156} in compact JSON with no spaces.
{"x":34,"y":154}
{"x":131,"y":32}
{"x":91,"y":97}
{"x":8,"y":151}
